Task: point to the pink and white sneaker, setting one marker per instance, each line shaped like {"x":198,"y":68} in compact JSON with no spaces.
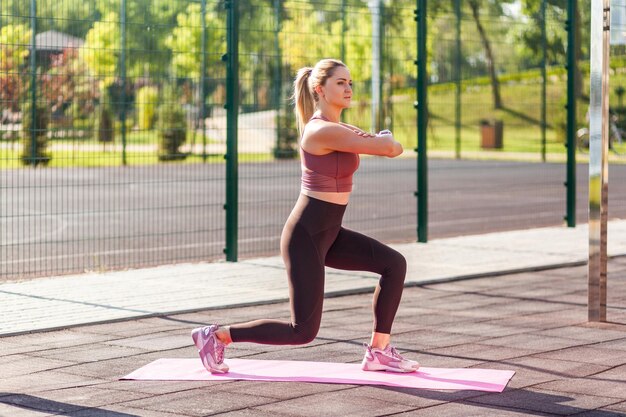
{"x":387,"y":359}
{"x":210,"y":349}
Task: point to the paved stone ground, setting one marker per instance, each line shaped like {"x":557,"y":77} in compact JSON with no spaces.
{"x":534,"y":323}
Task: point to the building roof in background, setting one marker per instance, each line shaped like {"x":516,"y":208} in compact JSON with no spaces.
{"x":56,"y":41}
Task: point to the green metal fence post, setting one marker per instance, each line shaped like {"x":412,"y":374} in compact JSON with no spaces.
{"x":457,"y":113}
{"x":123,"y":77}
{"x":203,"y":114}
{"x":278,"y":78}
{"x":571,"y":114}
{"x":544,"y":94}
{"x":232,"y":110}
{"x":33,"y":82}
{"x":422,"y":116}
{"x":343,"y":31}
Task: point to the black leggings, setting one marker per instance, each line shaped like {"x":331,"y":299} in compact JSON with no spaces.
{"x":313,"y":237}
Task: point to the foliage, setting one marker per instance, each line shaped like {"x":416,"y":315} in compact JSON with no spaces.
{"x":185,"y":41}
{"x":172,"y":126}
{"x":105,"y":127}
{"x":147,"y":98}
{"x":287,"y":139}
{"x":13,"y":53}
{"x":99,"y":52}
{"x":34,"y":131}
{"x":77,"y":15}
{"x":67,"y":83}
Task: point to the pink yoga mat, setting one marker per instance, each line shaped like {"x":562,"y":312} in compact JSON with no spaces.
{"x":329,"y":373}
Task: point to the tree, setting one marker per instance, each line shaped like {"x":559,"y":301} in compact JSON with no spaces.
{"x":475,"y":6}
{"x":100,"y":51}
{"x":67,"y":83}
{"x":557,"y":39}
{"x":185,"y":41}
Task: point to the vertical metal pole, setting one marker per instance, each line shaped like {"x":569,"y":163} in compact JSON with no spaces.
{"x":232,"y":110}
{"x":203,"y":80}
{"x":33,"y":83}
{"x":571,"y":113}
{"x":278,"y":79}
{"x":457,"y":112}
{"x":544,"y":94}
{"x":123,"y":77}
{"x":380,"y":122}
{"x":343,"y":31}
{"x":598,"y":157}
{"x":375,"y":8}
{"x":422,"y":118}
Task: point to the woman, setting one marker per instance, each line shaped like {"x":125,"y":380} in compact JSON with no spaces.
{"x":313,"y":236}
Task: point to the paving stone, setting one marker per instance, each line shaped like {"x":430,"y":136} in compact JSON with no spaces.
{"x":253,"y":412}
{"x":617,"y":374}
{"x":156,"y":341}
{"x":486,"y":330}
{"x":432,"y":360}
{"x":531,"y":322}
{"x":61,"y":338}
{"x":481,"y":353}
{"x":41,"y":381}
{"x":15,"y":365}
{"x":549,"y":402}
{"x":618,"y":407}
{"x":432,"y":339}
{"x":37,"y":403}
{"x":122,"y":329}
{"x":589,"y":354}
{"x":159,"y":387}
{"x":614,"y":344}
{"x":88,"y":353}
{"x":90,"y":396}
{"x":8,"y":410}
{"x":111,"y":369}
{"x":466,"y":409}
{"x":585,"y":333}
{"x":343,"y":402}
{"x":588,"y":386}
{"x":198,"y":402}
{"x":121,"y":410}
{"x":530,"y":371}
{"x":277,"y":390}
{"x":529,"y":341}
{"x":606,"y":412}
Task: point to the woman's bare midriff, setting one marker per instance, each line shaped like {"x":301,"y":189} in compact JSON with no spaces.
{"x":329,"y":197}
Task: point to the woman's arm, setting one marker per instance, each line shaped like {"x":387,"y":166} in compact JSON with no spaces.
{"x":323,"y":137}
{"x":357,"y":130}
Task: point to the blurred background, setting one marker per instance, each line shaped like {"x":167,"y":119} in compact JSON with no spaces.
{"x":138,"y":133}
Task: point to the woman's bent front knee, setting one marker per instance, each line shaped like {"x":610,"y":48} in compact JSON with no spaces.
{"x":303,"y":333}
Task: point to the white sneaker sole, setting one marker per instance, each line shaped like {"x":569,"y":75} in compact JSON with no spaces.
{"x":369,"y":366}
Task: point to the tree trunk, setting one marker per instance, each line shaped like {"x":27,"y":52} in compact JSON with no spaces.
{"x":495,"y":84}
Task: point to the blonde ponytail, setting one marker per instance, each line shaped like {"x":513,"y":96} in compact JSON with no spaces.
{"x":303,"y":98}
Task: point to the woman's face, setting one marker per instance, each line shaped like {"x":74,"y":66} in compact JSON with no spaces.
{"x":337,"y":91}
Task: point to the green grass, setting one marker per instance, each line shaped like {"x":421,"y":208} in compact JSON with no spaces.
{"x":10,"y":158}
{"x":521,"y":117}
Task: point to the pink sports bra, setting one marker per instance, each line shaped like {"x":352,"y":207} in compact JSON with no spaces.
{"x":330,"y":172}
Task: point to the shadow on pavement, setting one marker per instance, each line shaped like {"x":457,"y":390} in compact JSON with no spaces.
{"x":518,"y":400}
{"x":29,"y":402}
